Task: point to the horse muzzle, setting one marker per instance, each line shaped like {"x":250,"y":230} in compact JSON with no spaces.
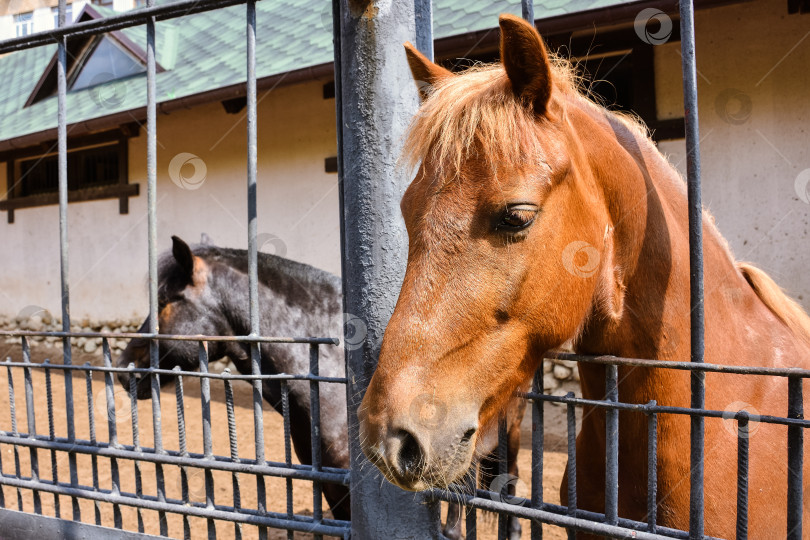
{"x":417,"y":455}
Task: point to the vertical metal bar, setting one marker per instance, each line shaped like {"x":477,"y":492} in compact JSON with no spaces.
{"x":611,"y":446}
{"x":571,"y":418}
{"x":208,"y":452}
{"x":32,"y":423}
{"x":527,"y":10}
{"x":232,"y":439}
{"x":315,"y":434}
{"x":61,"y":134}
{"x":12,"y":409}
{"x":136,"y":440}
{"x":91,"y":422}
{"x":652,"y":467}
{"x":253,"y":279}
{"x":690,"y":101}
{"x":181,"y":438}
{"x":742,"y":475}
{"x":151,"y":188}
{"x":371,"y":128}
{"x":503,"y":452}
{"x":537,"y":452}
{"x":112,"y":430}
{"x":52,"y":436}
{"x":285,"y":413}
{"x":795,"y":459}
{"x":423,"y":11}
{"x":471,"y":517}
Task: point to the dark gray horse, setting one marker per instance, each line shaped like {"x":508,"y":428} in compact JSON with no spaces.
{"x":204,"y":291}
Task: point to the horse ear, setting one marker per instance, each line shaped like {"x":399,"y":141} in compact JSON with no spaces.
{"x":525,"y":59}
{"x":425,"y":73}
{"x":183,"y":256}
{"x":205,"y":240}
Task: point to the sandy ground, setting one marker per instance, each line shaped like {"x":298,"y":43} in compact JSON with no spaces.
{"x":554,"y":457}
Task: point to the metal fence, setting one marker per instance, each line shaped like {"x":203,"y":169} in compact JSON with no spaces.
{"x":24,"y":476}
{"x":393,"y":510}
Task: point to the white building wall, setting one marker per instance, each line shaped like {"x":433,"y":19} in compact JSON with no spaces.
{"x":297,"y":201}
{"x":751,"y":162}
{"x":753,"y":63}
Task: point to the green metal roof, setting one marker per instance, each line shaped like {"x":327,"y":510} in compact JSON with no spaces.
{"x":206,"y":51}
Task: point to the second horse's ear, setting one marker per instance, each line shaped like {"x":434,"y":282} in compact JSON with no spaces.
{"x":425,"y":73}
{"x":205,"y":240}
{"x":183,"y":256}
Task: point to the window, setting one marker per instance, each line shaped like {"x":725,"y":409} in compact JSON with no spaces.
{"x":68,"y":15}
{"x":105,"y":62}
{"x":97,"y":168}
{"x":24,"y":23}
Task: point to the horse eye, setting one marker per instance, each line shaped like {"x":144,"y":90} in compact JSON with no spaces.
{"x":517,"y":217}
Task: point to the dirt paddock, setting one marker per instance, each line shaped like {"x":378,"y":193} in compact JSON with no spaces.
{"x":554,"y":457}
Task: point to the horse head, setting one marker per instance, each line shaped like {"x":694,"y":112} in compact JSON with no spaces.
{"x":187,"y":305}
{"x":507,"y":232}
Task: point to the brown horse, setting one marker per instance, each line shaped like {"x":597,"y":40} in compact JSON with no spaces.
{"x":537,"y":217}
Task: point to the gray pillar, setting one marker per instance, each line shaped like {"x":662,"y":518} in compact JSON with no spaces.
{"x":377,"y":99}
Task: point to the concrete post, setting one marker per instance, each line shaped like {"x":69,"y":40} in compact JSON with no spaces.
{"x":376,"y":100}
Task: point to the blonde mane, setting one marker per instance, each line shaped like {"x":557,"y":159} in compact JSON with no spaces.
{"x":477,"y":114}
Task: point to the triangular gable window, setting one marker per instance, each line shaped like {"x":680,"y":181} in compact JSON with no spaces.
{"x":105,"y":62}
{"x":92,"y":60}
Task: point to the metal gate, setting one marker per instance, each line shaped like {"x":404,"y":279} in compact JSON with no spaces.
{"x":24,"y":478}
{"x":366,"y":145}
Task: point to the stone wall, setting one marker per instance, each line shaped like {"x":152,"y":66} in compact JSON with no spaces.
{"x":43,"y":321}
{"x":560,"y":377}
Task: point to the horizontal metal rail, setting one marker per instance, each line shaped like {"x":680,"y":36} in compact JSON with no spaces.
{"x":171,"y":457}
{"x":136,"y":17}
{"x":663,"y":409}
{"x":269,"y":519}
{"x":176,"y":372}
{"x":556,"y":515}
{"x":685,"y":366}
{"x":174,"y":337}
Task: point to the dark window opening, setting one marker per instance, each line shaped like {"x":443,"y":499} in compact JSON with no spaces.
{"x":97,"y":168}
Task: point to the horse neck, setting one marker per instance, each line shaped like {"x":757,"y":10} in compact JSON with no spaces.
{"x":647,"y":206}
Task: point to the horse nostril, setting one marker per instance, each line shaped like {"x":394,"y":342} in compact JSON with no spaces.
{"x":468,"y":435}
{"x":410,"y":459}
